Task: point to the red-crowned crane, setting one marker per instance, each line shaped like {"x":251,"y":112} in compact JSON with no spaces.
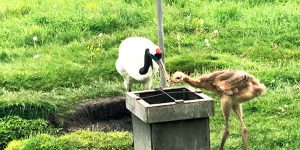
{"x":139,"y":59}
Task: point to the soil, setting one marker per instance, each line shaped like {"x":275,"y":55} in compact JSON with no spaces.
{"x":105,"y":114}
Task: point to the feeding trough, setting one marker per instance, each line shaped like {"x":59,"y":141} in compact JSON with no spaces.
{"x":170,"y":119}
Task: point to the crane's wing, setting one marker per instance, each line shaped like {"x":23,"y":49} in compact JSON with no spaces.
{"x":232,"y":82}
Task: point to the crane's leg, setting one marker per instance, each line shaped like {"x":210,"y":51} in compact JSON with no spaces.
{"x":226,"y":104}
{"x":238,"y":110}
{"x":127,"y":85}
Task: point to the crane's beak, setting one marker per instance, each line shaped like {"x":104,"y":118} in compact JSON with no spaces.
{"x":164,"y":72}
{"x":162,"y":68}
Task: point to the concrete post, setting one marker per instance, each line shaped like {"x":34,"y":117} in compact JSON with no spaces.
{"x":177,"y":120}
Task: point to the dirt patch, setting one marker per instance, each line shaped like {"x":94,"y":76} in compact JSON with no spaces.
{"x":106,"y":114}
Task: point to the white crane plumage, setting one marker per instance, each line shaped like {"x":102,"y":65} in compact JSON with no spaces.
{"x":139,"y":59}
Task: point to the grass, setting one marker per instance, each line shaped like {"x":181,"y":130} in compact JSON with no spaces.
{"x":74,"y":56}
{"x":76,"y":140}
{"x":13,"y":127}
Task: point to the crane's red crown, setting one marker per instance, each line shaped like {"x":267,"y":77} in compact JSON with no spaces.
{"x":158,"y":51}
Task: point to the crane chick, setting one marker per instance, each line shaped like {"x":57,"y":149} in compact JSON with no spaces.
{"x":234,"y":88}
{"x":139,"y":59}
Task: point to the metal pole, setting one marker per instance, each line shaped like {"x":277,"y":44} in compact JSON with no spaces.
{"x":161,"y":39}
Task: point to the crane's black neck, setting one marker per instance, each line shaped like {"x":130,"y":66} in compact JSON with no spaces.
{"x":147,"y":63}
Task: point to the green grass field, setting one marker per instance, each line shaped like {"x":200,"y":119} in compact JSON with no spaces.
{"x":73,"y":58}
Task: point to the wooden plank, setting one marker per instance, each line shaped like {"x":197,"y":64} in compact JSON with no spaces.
{"x":162,"y":104}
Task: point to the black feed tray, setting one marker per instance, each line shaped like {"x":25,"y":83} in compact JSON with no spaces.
{"x":169,"y":95}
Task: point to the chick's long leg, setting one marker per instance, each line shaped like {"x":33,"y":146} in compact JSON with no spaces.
{"x":238,"y":111}
{"x":226,"y":104}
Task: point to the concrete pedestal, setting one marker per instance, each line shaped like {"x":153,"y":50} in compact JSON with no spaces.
{"x":170,"y":119}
